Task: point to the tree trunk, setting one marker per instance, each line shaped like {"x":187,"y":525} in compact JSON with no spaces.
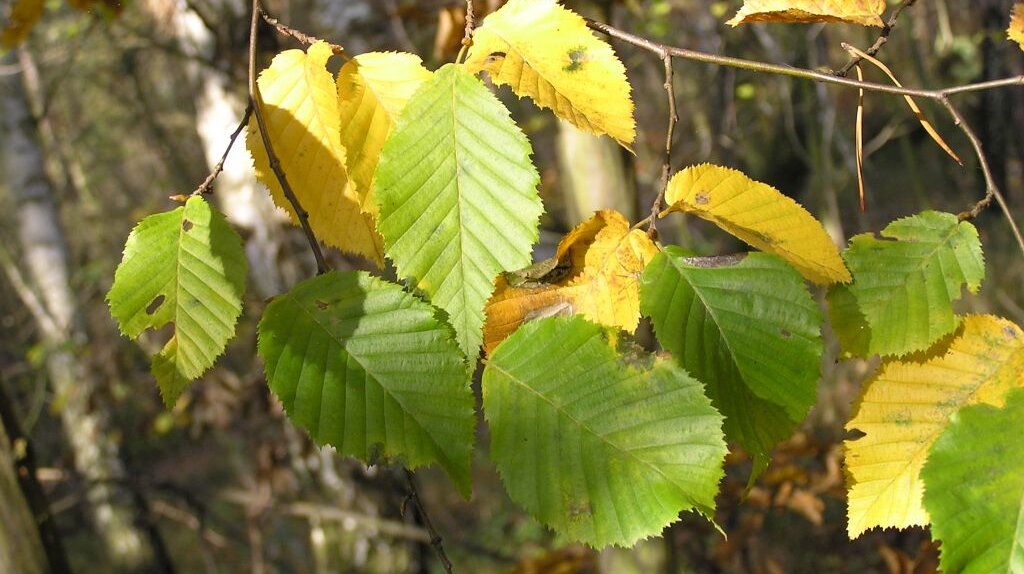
{"x":45,"y":256}
{"x":21,"y":550}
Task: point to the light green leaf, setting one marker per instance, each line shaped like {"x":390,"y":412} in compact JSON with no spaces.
{"x":974,"y":489}
{"x":905,"y":282}
{"x":458,"y":197}
{"x":367,"y":368}
{"x":184,"y":267}
{"x":748,"y":328}
{"x":602,"y":451}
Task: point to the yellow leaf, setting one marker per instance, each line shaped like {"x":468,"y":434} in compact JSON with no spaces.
{"x":866,"y":12}
{"x":300,"y":107}
{"x":603,"y":258}
{"x":23,"y":16}
{"x":1016,"y":31}
{"x":759,"y":215}
{"x":373,"y":89}
{"x":907,"y":405}
{"x":546,"y":52}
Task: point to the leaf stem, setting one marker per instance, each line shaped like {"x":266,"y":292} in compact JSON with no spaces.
{"x":207,"y":185}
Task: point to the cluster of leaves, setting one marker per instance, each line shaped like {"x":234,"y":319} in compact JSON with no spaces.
{"x":597,"y":438}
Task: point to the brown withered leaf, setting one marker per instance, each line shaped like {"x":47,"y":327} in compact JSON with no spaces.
{"x":604,"y":259}
{"x":865,"y":12}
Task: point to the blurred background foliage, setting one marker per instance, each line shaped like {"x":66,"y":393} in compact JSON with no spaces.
{"x":223,"y":483}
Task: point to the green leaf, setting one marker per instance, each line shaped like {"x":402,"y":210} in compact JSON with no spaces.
{"x":458,"y":197}
{"x":974,"y":489}
{"x":748,"y":328}
{"x":367,"y":368}
{"x":905,"y":282}
{"x":848,"y":323}
{"x":600,"y":450}
{"x":185,"y":267}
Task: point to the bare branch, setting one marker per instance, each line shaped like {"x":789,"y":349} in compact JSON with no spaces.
{"x":938,"y":95}
{"x":207,"y":185}
{"x":255,"y":102}
{"x":666,"y":166}
{"x":882,"y":40}
{"x":435,"y":539}
{"x":302,"y":37}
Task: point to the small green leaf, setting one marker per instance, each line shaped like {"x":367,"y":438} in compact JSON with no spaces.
{"x":600,"y":450}
{"x":458,"y":197}
{"x":185,"y":267}
{"x":974,"y":489}
{"x":748,"y":328}
{"x":905,"y":282}
{"x":367,"y":368}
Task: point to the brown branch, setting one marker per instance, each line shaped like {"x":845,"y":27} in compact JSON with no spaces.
{"x":882,"y":40}
{"x":207,"y":185}
{"x":435,"y":539}
{"x":255,"y":101}
{"x":302,"y":37}
{"x":938,"y":95}
{"x":666,"y":165}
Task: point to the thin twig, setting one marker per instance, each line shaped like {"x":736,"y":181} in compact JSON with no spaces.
{"x":467,"y":37}
{"x":435,"y":539}
{"x":302,"y":37}
{"x":883,"y":38}
{"x":666,"y":166}
{"x":207,"y":185}
{"x":255,"y":101}
{"x":939,"y":95}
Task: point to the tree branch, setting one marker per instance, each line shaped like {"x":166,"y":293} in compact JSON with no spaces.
{"x":666,"y":166}
{"x":207,"y":185}
{"x":938,"y":95}
{"x":435,"y":539}
{"x":301,"y":37}
{"x":883,"y":38}
{"x":255,"y":102}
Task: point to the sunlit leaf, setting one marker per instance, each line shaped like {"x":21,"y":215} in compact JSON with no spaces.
{"x":373,"y":89}
{"x":865,"y":12}
{"x":601,"y":262}
{"x":1016,"y":29}
{"x":185,"y":267}
{"x":974,"y":489}
{"x":747,"y":327}
{"x":759,"y":215}
{"x":547,"y":53}
{"x":368,"y":368}
{"x":458,"y":199}
{"x":601,"y":450}
{"x":906,"y":406}
{"x":905,"y":282}
{"x":300,"y":106}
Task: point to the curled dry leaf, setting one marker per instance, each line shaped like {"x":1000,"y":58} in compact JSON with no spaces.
{"x":601,"y":261}
{"x":865,"y":12}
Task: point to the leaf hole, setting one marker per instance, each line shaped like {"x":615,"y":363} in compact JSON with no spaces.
{"x":786,"y":334}
{"x":322,"y":305}
{"x":186,"y":225}
{"x":1010,"y":333}
{"x":701,"y":198}
{"x":494,"y":57}
{"x":577,"y":57}
{"x":155,"y":304}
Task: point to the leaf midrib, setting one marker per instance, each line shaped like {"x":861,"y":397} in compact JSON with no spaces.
{"x":559,"y":409}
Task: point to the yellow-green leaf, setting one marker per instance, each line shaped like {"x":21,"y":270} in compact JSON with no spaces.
{"x":1016,"y":30}
{"x":602,"y":260}
{"x":300,"y":107}
{"x":546,"y":52}
{"x":372,"y":91}
{"x":865,"y":12}
{"x":907,"y":405}
{"x":759,"y":215}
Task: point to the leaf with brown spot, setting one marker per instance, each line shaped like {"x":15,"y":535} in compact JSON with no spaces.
{"x":605,"y":258}
{"x":864,"y":12}
{"x":759,"y":215}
